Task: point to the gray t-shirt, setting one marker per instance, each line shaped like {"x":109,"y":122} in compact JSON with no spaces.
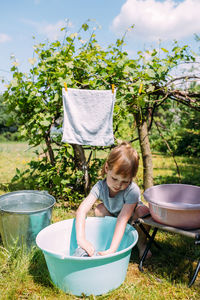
{"x":114,"y":204}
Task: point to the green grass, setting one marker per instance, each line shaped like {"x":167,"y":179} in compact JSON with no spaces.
{"x":25,"y":276}
{"x":12,"y":156}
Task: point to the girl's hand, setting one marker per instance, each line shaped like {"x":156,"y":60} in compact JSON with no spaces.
{"x":81,"y":214}
{"x":88,"y":247}
{"x":106,"y":252}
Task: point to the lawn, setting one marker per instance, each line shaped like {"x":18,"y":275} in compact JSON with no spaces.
{"x":166,"y":274}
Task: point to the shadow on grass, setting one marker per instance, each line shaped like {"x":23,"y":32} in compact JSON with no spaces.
{"x":38,"y":269}
{"x":175,"y":261}
{"x":188,"y":178}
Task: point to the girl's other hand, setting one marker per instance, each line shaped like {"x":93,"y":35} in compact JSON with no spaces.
{"x":106,"y":252}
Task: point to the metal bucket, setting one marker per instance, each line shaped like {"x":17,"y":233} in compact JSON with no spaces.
{"x":23,"y":214}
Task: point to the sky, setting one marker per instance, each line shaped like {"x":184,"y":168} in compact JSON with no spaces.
{"x":153,"y":20}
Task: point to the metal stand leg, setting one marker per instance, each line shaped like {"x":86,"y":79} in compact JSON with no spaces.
{"x":148,"y":235}
{"x":197,"y":242}
{"x":195,"y":274}
{"x":151,"y":240}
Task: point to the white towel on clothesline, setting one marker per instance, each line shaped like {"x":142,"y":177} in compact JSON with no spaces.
{"x":88,"y":117}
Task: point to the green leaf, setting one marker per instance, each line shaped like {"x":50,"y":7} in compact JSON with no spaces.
{"x":150,"y":73}
{"x":45,"y":123}
{"x":85,"y":26}
{"x":164,"y":50}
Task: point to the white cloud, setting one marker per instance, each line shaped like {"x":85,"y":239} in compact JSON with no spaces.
{"x":4,"y":38}
{"x":170,"y":19}
{"x":51,"y":31}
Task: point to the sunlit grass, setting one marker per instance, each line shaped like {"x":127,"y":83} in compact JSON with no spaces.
{"x":13,"y":156}
{"x":185,"y":170}
{"x":167,"y":273}
{"x":25,"y":276}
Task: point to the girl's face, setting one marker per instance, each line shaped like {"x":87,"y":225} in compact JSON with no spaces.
{"x":116,"y":182}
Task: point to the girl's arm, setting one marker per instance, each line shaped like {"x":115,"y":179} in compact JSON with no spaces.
{"x":81,"y":214}
{"x":122,"y":220}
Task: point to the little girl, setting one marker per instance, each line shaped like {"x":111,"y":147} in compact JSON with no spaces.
{"x":120,"y":198}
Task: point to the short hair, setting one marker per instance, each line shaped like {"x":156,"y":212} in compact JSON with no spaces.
{"x":123,"y":159}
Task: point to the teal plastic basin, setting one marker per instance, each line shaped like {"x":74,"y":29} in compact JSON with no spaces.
{"x":86,"y":275}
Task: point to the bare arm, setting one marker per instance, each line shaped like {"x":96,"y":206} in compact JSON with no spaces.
{"x":120,"y":227}
{"x":81,"y":214}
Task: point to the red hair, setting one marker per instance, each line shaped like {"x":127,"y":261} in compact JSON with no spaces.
{"x":123,"y":160}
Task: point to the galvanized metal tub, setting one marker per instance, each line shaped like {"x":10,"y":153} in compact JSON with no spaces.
{"x":23,"y":214}
{"x":176,"y":205}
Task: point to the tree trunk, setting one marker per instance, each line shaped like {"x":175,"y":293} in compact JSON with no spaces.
{"x":50,"y":150}
{"x":81,"y":164}
{"x":146,"y":151}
